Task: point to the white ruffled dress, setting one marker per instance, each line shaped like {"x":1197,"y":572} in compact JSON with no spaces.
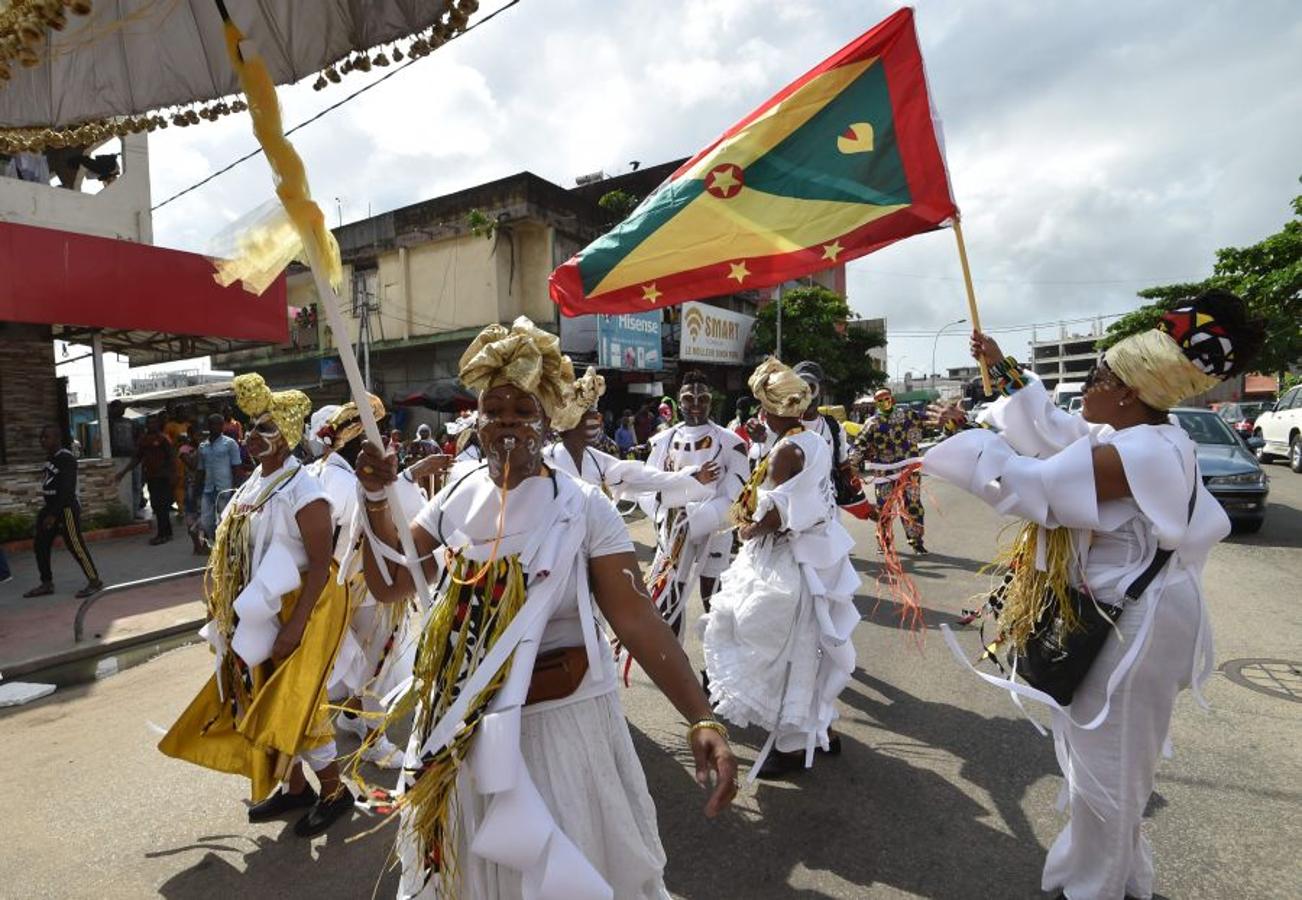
{"x":777,"y":638}
{"x":1037,"y":464}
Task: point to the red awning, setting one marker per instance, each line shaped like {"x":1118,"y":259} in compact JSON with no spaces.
{"x":150,"y":303}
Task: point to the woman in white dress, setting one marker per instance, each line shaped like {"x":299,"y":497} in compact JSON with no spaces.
{"x":777,"y":636}
{"x":277,"y":618}
{"x":1109,"y":496}
{"x":521,"y":779}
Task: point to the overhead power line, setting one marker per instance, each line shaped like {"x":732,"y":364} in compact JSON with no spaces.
{"x":331,"y":108}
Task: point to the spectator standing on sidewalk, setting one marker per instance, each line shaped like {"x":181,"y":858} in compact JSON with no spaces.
{"x":187,"y":453}
{"x":177,"y":429}
{"x":61,"y":515}
{"x":219,"y":457}
{"x":157,"y":460}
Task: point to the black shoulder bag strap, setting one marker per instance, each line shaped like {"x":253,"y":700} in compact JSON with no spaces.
{"x":1140,"y":584}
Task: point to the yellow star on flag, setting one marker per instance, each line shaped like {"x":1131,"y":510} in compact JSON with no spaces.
{"x":650,"y":293}
{"x":738,"y":271}
{"x":723,"y":180}
{"x":832,"y":251}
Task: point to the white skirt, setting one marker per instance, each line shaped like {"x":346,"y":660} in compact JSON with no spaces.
{"x":581,"y":758}
{"x":760,"y":642}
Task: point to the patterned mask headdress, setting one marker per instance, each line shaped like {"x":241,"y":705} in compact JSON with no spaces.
{"x":524,"y":356}
{"x":1195,"y":346}
{"x":779,"y":390}
{"x":287,"y":409}
{"x":581,"y":397}
{"x":345,"y":424}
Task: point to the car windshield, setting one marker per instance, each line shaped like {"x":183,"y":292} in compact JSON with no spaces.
{"x":1206,"y":428}
{"x":1252,"y":410}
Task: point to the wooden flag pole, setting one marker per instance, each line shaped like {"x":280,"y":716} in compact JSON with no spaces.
{"x":971,"y":302}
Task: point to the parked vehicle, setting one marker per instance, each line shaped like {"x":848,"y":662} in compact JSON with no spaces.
{"x":1228,"y":468}
{"x":1280,"y":430}
{"x":1241,"y":416}
{"x":1076,"y":405}
{"x":1066,"y":391}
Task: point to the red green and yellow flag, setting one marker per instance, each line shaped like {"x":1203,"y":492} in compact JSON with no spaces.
{"x":841,"y":162}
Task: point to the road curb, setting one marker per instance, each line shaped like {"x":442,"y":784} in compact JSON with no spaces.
{"x":98,"y":534}
{"x":95,"y":661}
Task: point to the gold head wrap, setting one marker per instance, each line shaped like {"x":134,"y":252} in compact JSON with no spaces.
{"x":345,"y":424}
{"x":779,"y":390}
{"x":1155,"y":367}
{"x":287,"y":409}
{"x":579,"y":398}
{"x":524,"y":356}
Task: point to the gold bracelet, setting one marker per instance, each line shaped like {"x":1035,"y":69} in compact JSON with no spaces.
{"x":712,"y":724}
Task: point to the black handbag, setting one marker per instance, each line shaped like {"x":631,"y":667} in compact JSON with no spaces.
{"x":1056,"y":663}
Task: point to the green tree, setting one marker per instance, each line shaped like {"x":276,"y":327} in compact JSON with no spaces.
{"x":1267,"y":275}
{"x":618,"y":205}
{"x":814,"y":327}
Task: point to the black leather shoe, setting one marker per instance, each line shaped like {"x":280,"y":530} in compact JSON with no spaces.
{"x":833,"y":746}
{"x":280,"y":803}
{"x":780,"y":765}
{"x":324,"y":814}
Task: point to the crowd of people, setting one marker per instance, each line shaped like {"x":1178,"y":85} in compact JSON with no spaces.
{"x":481,"y":589}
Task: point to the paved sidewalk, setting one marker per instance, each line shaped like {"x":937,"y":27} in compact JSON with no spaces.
{"x":42,"y":627}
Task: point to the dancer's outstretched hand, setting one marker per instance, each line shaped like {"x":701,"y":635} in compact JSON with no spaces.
{"x":714,"y":758}
{"x":943,"y":413}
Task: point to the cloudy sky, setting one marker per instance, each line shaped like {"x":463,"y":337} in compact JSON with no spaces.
{"x":1094,"y":148}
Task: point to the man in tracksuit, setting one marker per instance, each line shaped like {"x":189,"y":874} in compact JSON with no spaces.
{"x":61,"y":516}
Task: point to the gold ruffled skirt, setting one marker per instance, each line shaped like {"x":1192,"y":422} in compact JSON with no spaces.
{"x":288,"y":712}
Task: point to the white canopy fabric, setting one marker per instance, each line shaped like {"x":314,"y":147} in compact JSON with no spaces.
{"x":129,"y":57}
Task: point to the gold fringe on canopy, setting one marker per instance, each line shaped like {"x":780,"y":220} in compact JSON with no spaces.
{"x":287,"y":409}
{"x":581,"y":397}
{"x":22,"y":38}
{"x":1153,"y":365}
{"x":779,"y":390}
{"x":524,"y":356}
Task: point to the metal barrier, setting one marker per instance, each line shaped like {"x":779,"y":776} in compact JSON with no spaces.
{"x":78,"y":624}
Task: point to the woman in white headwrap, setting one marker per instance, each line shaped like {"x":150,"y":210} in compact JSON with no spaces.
{"x":1116,"y":509}
{"x":276,"y":618}
{"x":777,"y":637}
{"x":521,"y":779}
{"x":578,"y":423}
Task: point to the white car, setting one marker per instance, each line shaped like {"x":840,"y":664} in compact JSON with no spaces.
{"x":1280,"y":430}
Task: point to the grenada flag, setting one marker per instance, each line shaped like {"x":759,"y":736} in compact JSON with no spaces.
{"x":841,"y":162}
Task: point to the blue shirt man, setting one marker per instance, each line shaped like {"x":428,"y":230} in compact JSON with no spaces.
{"x":219,"y":456}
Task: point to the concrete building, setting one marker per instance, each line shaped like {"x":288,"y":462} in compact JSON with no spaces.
{"x":421,"y":281}
{"x":1067,"y":357}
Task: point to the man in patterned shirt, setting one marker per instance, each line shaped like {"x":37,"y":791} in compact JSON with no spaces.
{"x":891,"y":436}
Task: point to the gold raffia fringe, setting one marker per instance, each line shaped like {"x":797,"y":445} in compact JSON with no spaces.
{"x":447,"y":655}
{"x":23,"y":25}
{"x":1030,"y":590}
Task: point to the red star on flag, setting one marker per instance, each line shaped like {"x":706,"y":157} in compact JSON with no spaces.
{"x":725,"y":181}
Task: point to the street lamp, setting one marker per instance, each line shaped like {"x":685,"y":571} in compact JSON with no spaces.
{"x":933,"y":348}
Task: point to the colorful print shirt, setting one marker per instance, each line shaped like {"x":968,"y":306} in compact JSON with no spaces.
{"x":892,"y":437}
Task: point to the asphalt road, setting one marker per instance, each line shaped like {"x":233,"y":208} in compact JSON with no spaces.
{"x":943,"y":790}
